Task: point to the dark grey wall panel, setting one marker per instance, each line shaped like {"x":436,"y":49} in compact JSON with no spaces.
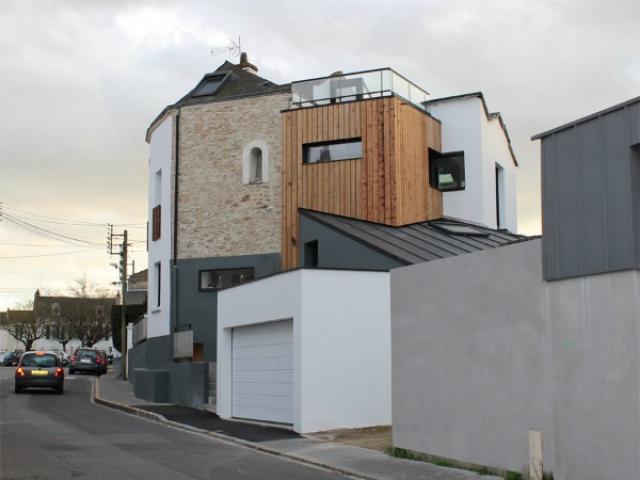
{"x":200,"y":309}
{"x":154,"y":353}
{"x":336,"y":250}
{"x":591,"y":198}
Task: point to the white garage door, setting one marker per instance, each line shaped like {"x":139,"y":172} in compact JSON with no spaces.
{"x":262,"y":368}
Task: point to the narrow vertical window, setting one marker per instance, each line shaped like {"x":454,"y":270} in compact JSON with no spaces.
{"x":256,"y":166}
{"x":500,"y":202}
{"x":156,"y":211}
{"x":158,"y":272}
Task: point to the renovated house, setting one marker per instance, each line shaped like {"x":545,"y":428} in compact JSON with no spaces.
{"x":546,"y":339}
{"x":249,"y":179}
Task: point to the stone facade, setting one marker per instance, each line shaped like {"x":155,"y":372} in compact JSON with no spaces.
{"x":218,"y":215}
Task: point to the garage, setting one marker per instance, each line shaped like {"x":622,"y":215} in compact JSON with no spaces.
{"x":309,"y":348}
{"x":262,"y":372}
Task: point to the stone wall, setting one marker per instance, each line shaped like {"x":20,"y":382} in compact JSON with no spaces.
{"x":218,"y":214}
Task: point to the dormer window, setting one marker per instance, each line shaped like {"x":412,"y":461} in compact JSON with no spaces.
{"x":255,"y":175}
{"x":210,"y":84}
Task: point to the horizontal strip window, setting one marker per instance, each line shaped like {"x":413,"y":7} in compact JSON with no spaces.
{"x":211,"y":280}
{"x":350,"y":149}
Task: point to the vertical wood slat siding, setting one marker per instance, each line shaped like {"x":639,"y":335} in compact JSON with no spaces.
{"x":388,"y":185}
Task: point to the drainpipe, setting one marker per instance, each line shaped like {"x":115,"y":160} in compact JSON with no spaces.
{"x":175,"y":216}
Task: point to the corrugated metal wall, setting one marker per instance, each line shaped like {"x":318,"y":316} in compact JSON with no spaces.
{"x":591,"y":197}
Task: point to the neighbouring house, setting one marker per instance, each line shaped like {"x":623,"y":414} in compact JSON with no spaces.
{"x":64,"y":323}
{"x":248,"y":179}
{"x":542,"y":335}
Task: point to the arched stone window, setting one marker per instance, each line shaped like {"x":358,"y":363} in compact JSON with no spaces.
{"x":255,"y":163}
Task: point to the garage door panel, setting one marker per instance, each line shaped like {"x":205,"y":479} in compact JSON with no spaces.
{"x":273,"y":402}
{"x":265,"y":351}
{"x":262,"y":372}
{"x":281,"y":416}
{"x":263,"y":388}
{"x":253,"y":376}
{"x":263,"y":334}
{"x":263,"y":364}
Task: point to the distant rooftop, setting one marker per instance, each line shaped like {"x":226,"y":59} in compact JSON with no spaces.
{"x":344,"y":87}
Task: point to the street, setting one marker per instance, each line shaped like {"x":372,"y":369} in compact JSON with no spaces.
{"x":49,"y":436}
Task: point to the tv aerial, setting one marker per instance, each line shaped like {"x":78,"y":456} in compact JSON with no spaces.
{"x":234,"y":49}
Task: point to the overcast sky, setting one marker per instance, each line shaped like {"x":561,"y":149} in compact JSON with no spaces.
{"x":80,"y":81}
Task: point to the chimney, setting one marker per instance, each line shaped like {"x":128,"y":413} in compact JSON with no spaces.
{"x":245,"y":65}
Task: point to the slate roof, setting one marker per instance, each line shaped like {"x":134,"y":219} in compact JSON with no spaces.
{"x":418,"y":242}
{"x":238,"y":84}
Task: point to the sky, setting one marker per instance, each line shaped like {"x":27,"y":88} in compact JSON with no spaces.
{"x":80,"y":81}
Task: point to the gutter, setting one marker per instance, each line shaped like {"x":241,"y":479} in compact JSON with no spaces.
{"x":175,"y":212}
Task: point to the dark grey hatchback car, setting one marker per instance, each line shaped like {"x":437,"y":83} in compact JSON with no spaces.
{"x":39,"y":370}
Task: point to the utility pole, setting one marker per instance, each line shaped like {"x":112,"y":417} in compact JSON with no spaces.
{"x":123,"y":317}
{"x":124,"y":249}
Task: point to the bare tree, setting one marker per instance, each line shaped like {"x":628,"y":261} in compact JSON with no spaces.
{"x":61,"y":327}
{"x":24,"y":325}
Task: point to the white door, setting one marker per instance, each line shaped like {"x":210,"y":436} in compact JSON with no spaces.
{"x":262,"y":372}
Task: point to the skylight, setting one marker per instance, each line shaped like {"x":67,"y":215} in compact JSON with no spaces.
{"x":209,"y":85}
{"x":458,"y":229}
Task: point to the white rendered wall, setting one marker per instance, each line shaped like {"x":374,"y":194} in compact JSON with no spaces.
{"x":346,"y":350}
{"x":161,"y":149}
{"x":495,"y":149}
{"x":342,"y":343}
{"x":466,"y":127}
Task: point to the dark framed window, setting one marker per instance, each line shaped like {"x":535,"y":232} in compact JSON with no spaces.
{"x":311,"y":254}
{"x":349,"y":149}
{"x":446,"y":171}
{"x":211,"y":280}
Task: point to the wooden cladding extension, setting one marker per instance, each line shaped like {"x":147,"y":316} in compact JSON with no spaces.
{"x":155,"y":229}
{"x":389,"y":184}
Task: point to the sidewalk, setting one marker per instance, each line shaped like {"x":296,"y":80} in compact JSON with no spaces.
{"x":353,"y":461}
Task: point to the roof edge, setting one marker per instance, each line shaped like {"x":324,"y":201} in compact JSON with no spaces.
{"x":586,"y":118}
{"x":488,"y":114}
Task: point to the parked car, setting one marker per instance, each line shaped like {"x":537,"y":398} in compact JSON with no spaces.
{"x":62,"y":356}
{"x":86,"y":360}
{"x":104,"y":363}
{"x":41,"y":370}
{"x":11,"y":359}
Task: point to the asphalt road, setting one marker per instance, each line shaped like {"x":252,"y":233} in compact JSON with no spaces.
{"x":49,"y":436}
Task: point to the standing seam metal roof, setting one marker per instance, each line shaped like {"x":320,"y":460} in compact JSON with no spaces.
{"x":417,"y":242}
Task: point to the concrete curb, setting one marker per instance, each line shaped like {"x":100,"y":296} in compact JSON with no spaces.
{"x":156,"y":417}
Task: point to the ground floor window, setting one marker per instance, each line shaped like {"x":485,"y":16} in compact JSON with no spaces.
{"x":223,"y":278}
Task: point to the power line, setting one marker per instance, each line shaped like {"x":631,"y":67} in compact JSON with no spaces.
{"x":30,"y":245}
{"x":52,"y":254}
{"x":46,"y":232}
{"x":67,"y":221}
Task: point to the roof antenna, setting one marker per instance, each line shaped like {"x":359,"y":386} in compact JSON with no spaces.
{"x":234,"y":49}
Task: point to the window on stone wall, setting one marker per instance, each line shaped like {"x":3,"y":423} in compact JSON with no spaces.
{"x":255,"y":163}
{"x":255,"y":166}
{"x":211,"y":280}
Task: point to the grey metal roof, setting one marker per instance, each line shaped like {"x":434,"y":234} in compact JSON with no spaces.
{"x":418,"y":242}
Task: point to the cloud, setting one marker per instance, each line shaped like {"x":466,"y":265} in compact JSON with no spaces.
{"x":81,"y":81}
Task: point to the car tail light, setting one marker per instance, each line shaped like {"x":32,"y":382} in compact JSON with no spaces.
{"x":59,"y":372}
{"x":20,"y":372}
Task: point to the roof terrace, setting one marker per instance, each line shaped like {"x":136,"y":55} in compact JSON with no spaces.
{"x":348,"y":87}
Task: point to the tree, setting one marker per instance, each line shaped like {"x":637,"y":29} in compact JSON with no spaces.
{"x":61,"y":327}
{"x":24,"y":325}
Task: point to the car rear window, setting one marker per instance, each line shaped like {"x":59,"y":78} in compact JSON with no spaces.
{"x":86,"y":353}
{"x":46,"y":360}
